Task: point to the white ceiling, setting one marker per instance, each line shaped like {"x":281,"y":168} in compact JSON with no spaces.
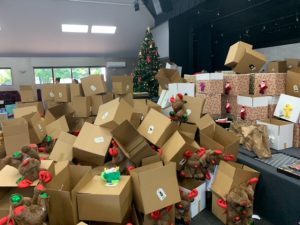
{"x":33,"y":27}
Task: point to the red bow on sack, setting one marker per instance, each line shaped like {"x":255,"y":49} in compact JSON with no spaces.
{"x":7,"y":221}
{"x":222,"y":203}
{"x":193,"y":194}
{"x":24,"y":183}
{"x":227,"y":88}
{"x":243,"y":113}
{"x":262,"y":87}
{"x":45,"y":176}
{"x":201,"y":152}
{"x":228,"y":107}
{"x":113,"y":152}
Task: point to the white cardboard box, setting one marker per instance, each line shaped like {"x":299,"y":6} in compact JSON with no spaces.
{"x":210,"y":76}
{"x":288,"y":108}
{"x":182,"y":88}
{"x":273,"y":100}
{"x":250,"y":101}
{"x":280,"y":133}
{"x":164,"y":99}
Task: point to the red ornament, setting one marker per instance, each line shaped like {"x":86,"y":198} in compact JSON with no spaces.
{"x":228,"y":107}
{"x":243,"y":113}
{"x":262,"y":87}
{"x":139,"y":78}
{"x":148,"y":59}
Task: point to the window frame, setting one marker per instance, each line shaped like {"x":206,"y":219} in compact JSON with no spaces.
{"x":11,"y":74}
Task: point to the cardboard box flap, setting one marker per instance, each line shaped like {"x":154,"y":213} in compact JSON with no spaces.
{"x":20,"y":112}
{"x":205,"y":121}
{"x":147,"y":167}
{"x":58,"y":111}
{"x":60,"y":166}
{"x":194,"y":107}
{"x":166,"y":76}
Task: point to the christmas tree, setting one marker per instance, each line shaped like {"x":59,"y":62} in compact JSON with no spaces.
{"x":147,"y":67}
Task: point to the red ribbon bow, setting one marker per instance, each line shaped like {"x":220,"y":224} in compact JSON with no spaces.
{"x":227,"y":88}
{"x":188,"y":154}
{"x":45,"y":176}
{"x":113,"y":152}
{"x":228,"y":107}
{"x":7,"y":221}
{"x":262,"y":87}
{"x":155,"y":215}
{"x":243,"y":113}
{"x":222,"y":203}
{"x":24,"y":183}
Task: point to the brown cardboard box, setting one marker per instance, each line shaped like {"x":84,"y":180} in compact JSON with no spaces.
{"x":143,"y":106}
{"x":277,"y":67}
{"x":133,"y":145}
{"x":36,"y":127}
{"x":82,"y":106}
{"x":98,"y":100}
{"x":113,"y":113}
{"x":215,"y":137}
{"x":238,"y":84}
{"x":293,"y":65}
{"x":151,"y":159}
{"x":93,"y":85}
{"x":105,"y":203}
{"x":175,"y":147}
{"x":16,"y":135}
{"x":49,"y":104}
{"x":48,"y":92}
{"x":92,"y":144}
{"x":155,"y":186}
{"x":136,"y":119}
{"x":122,"y":84}
{"x":75,"y":90}
{"x":188,"y":130}
{"x":235,"y":53}
{"x":212,"y":103}
{"x":38,"y":105}
{"x":63,"y":148}
{"x":194,"y":107}
{"x":157,"y":128}
{"x":167,"y":76}
{"x":28,"y":93}
{"x":62,"y":92}
{"x":20,"y":112}
{"x":62,"y":190}
{"x":127,"y":97}
{"x":293,"y":84}
{"x":205,"y":121}
{"x":58,"y":111}
{"x":56,"y":127}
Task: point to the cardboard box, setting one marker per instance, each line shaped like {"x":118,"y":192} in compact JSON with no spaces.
{"x":288,"y":108}
{"x":216,"y":137}
{"x":173,"y":150}
{"x":16,"y":134}
{"x":92,"y":144}
{"x":277,"y":67}
{"x":56,"y":127}
{"x":93,"y":85}
{"x":62,"y":190}
{"x":275,"y":83}
{"x":212,"y":103}
{"x":49,"y":104}
{"x":190,"y":78}
{"x":113,"y":113}
{"x":58,"y":111}
{"x":188,"y":130}
{"x":209,"y":83}
{"x":38,"y":105}
{"x":236,"y":84}
{"x":63,"y":148}
{"x":157,"y":128}
{"x":48,"y":92}
{"x":199,"y":203}
{"x":229,"y":104}
{"x":62,"y":92}
{"x":293,"y":65}
{"x":280,"y":133}
{"x":182,"y":88}
{"x":256,"y":107}
{"x":236,"y":53}
{"x":194,"y":107}
{"x":126,"y":97}
{"x":142,"y":106}
{"x":122,"y":84}
{"x":155,"y":186}
{"x":293,"y":84}
{"x":167,"y":76}
{"x":105,"y":203}
{"x":20,"y":112}
{"x":136,"y":119}
{"x":36,"y":127}
{"x":273,"y":100}
{"x":205,"y":121}
{"x":98,"y":100}
{"x":28,"y":93}
{"x":296,"y":135}
{"x":75,"y":90}
{"x":134,"y":146}
{"x":82,"y":106}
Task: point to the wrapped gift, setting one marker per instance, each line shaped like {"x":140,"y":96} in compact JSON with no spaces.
{"x":212,"y":103}
{"x":268,"y":84}
{"x":209,"y":83}
{"x":252,"y":107}
{"x":229,"y":104}
{"x":236,"y":84}
{"x":273,"y":100}
{"x":297,"y":135}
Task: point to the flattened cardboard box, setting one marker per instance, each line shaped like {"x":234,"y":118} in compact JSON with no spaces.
{"x":155,"y":186}
{"x":92,"y":144}
{"x":15,"y":134}
{"x":105,"y":203}
{"x":63,"y":148}
{"x":28,"y":93}
{"x":55,"y":128}
{"x":75,"y":90}
{"x":293,"y":84}
{"x":48,"y":92}
{"x":194,"y":107}
{"x":113,"y":113}
{"x":93,"y":85}
{"x":36,"y":127}
{"x":157,"y":128}
{"x":275,"y":83}
{"x":167,"y":76}
{"x":133,"y":145}
{"x":20,"y":112}
{"x":122,"y":84}
{"x":82,"y":106}
{"x":98,"y":100}
{"x":277,"y":67}
{"x":62,"y":190}
{"x":238,"y":84}
{"x":62,"y":92}
{"x":39,"y":106}
{"x":58,"y":111}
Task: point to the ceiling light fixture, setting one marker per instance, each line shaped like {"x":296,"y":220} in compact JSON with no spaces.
{"x":103,"y":29}
{"x":74,"y":28}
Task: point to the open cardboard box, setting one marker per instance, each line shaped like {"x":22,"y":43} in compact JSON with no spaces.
{"x":157,"y":128}
{"x":288,"y":108}
{"x":144,"y":105}
{"x":235,"y":53}
{"x":155,"y":186}
{"x":122,"y":84}
{"x":167,"y":76}
{"x":126,"y":97}
{"x":36,"y":128}
{"x":48,"y":92}
{"x":133,"y":145}
{"x":98,"y":100}
{"x":188,"y":130}
{"x":20,"y":112}
{"x":205,"y":121}
{"x":82,"y":106}
{"x":92,"y":144}
{"x":173,"y":150}
{"x":55,"y":128}
{"x":63,"y":148}
{"x":28,"y":93}
{"x":58,"y":111}
{"x":62,"y":190}
{"x":280,"y":133}
{"x":194,"y":107}
{"x":62,"y":93}
{"x":93,"y":85}
{"x":97,"y":201}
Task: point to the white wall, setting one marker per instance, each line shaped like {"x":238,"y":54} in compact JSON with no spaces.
{"x":22,"y":67}
{"x":161,"y":38}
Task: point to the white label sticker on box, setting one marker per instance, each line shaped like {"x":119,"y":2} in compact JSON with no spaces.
{"x":161,"y":194}
{"x":105,"y":115}
{"x":51,"y":94}
{"x":127,"y":87}
{"x":99,"y":140}
{"x":93,"y":88}
{"x":40,"y":127}
{"x":151,"y":129}
{"x":182,"y":162}
{"x":296,"y":88}
{"x":188,"y":112}
{"x":60,"y":94}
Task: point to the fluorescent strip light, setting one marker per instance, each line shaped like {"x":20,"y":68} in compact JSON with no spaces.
{"x":103,"y":29}
{"x":74,"y":28}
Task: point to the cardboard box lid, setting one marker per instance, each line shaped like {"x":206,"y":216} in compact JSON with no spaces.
{"x":209,"y":76}
{"x":205,"y":121}
{"x":166,"y":76}
{"x":249,"y":101}
{"x":236,"y":52}
{"x":288,"y":108}
{"x":20,"y":112}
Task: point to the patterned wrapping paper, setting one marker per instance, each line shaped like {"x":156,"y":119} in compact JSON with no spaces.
{"x":212,"y":87}
{"x":271,"y":110}
{"x":246,"y":122}
{"x":239,"y":83}
{"x":254,"y":113}
{"x":297,"y":135}
{"x":232,"y":100}
{"x":212,"y":104}
{"x":275,"y":83}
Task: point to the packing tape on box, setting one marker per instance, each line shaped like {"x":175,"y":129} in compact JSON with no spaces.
{"x":161,"y":194}
{"x":99,"y":139}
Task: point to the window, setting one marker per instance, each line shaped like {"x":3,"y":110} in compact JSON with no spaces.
{"x":67,"y":74}
{"x":5,"y":76}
